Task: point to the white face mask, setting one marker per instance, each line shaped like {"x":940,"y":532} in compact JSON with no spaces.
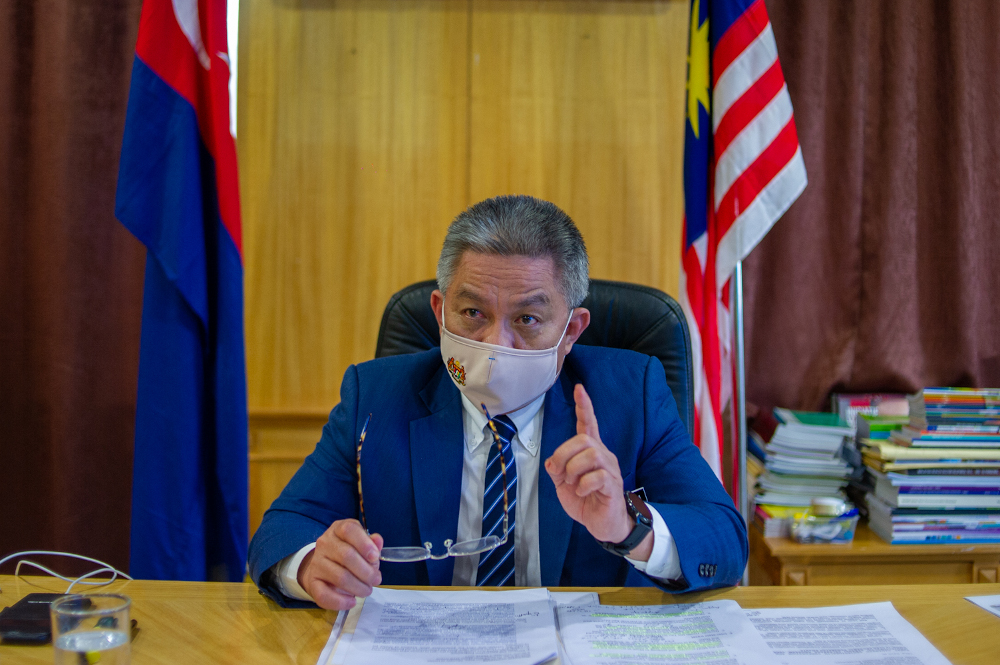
{"x":502,"y":378}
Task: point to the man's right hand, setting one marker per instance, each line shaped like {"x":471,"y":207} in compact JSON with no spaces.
{"x":343,"y":565}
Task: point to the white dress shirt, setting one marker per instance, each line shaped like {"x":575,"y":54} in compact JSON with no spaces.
{"x":663,"y":564}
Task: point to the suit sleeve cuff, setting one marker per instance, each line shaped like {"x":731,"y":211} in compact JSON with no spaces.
{"x":664,"y":563}
{"x":286,"y":574}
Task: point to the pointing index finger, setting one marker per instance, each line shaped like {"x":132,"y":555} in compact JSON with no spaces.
{"x":586,"y":421}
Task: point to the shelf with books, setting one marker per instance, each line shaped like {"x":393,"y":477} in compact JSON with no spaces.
{"x":869,"y":560}
{"x":935,"y":478}
{"x":929,"y":484}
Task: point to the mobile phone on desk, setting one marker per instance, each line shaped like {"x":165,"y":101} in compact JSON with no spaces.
{"x":27,"y":621}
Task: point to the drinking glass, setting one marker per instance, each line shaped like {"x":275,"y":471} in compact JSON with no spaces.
{"x":91,"y":629}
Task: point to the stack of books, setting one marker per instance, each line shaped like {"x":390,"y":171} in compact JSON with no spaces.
{"x":868,"y":427}
{"x":850,"y":406}
{"x":879,"y":427}
{"x":937,"y":478}
{"x":802,"y":461}
{"x":775,"y":521}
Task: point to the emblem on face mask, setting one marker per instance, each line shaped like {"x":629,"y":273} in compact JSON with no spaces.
{"x":457,"y":371}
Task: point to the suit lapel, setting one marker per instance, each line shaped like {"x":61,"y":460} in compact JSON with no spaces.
{"x":554,"y":525}
{"x":436,"y":457}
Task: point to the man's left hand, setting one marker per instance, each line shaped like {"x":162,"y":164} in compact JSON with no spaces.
{"x":589,"y":481}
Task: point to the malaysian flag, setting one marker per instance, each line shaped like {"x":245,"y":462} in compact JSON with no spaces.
{"x":742,"y":169}
{"x":178,"y":193}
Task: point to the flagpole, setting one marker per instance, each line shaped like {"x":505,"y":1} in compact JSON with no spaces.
{"x":740,"y":402}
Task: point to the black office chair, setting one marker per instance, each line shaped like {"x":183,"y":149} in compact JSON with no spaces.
{"x":622,"y":316}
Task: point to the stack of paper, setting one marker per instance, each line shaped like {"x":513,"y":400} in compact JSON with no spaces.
{"x":803,"y":459}
{"x":529,"y":627}
{"x":499,"y":627}
{"x":775,"y":521}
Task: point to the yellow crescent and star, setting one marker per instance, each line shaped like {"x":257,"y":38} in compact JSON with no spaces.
{"x":698,"y":63}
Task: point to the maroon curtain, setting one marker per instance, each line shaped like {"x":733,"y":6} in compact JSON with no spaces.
{"x":885,"y":274}
{"x":70,"y":279}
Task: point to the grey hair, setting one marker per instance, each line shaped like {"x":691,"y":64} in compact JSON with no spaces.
{"x":519,"y":226}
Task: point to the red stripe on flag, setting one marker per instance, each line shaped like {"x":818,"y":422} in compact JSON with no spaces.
{"x":710,"y":354}
{"x":756,"y":177}
{"x":740,"y":34}
{"x":166,"y":50}
{"x":691,"y":269}
{"x":695,"y":284}
{"x":748,"y":106}
{"x":703,"y":299}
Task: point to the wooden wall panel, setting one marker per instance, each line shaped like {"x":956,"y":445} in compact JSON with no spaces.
{"x":353,"y":151}
{"x":278,"y":444}
{"x":582,"y":104}
{"x":365,"y":126}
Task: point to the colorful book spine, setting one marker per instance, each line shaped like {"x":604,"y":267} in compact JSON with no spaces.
{"x":920,"y":489}
{"x":946,"y":500}
{"x":948,"y":471}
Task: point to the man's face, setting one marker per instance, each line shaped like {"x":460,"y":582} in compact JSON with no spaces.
{"x":511,"y":301}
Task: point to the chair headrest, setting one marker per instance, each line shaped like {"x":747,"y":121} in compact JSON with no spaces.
{"x":622,"y":316}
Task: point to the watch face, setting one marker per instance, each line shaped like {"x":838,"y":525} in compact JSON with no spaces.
{"x":633,"y":511}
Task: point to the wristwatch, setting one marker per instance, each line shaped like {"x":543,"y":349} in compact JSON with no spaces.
{"x":638,"y":511}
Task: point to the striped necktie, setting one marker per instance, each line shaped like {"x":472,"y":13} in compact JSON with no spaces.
{"x":496,"y":567}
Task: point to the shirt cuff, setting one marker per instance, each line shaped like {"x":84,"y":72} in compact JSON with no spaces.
{"x":286,"y":574}
{"x":664,"y":563}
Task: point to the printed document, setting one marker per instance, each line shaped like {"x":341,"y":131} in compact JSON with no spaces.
{"x":695,"y":633}
{"x":574,"y":598}
{"x":496,"y":627}
{"x":869,"y":634}
{"x":988,"y":603}
{"x":337,"y":646}
{"x":331,"y":643}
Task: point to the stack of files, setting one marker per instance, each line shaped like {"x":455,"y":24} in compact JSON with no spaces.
{"x":879,"y":427}
{"x":921,"y":526}
{"x":937,"y":479}
{"x":789,"y":484}
{"x":851,"y":406}
{"x":803,"y":459}
{"x":948,"y":436}
{"x":869,"y":428}
{"x":755,"y":467}
{"x":775,"y":521}
{"x":976,"y":492}
{"x":932,"y":408}
{"x":885,"y":456}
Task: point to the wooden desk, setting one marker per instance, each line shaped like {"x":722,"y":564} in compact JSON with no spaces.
{"x":196,"y":622}
{"x":868,"y":560}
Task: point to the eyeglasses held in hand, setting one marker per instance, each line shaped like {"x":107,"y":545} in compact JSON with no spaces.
{"x":464,"y":548}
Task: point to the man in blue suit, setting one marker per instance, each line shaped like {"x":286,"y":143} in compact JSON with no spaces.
{"x":428,"y":471}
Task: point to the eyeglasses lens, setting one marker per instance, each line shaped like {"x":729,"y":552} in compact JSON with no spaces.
{"x":411,"y":554}
{"x":474,"y":546}
{"x":404,"y":554}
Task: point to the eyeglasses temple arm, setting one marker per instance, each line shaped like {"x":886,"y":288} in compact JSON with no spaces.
{"x":361,"y":496}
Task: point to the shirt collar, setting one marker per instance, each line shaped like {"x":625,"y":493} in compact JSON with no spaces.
{"x":523,"y":419}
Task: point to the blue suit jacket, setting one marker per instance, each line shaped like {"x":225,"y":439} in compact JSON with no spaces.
{"x":411,"y":466}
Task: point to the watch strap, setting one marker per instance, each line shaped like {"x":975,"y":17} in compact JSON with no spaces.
{"x":639,"y":511}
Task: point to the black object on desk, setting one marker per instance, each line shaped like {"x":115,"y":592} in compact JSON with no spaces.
{"x":27,"y":621}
